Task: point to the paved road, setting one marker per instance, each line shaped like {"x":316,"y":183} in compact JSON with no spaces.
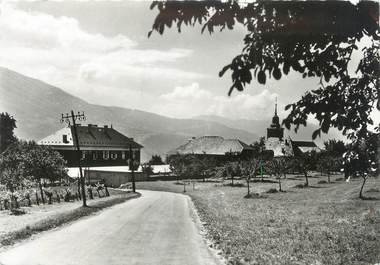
{"x":156,"y":228}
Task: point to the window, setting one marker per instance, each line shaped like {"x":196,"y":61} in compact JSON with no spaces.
{"x":113,"y":156}
{"x":94,"y":155}
{"x":106,"y":154}
{"x":83,"y":155}
{"x":123,"y":155}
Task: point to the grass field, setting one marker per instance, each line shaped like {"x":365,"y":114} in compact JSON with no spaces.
{"x":322,"y":224}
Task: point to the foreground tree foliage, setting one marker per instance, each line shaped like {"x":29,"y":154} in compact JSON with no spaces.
{"x":313,"y":38}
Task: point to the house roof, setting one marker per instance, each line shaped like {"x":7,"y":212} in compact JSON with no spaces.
{"x":300,"y":147}
{"x":304,"y":143}
{"x":90,"y":136}
{"x":212,"y":145}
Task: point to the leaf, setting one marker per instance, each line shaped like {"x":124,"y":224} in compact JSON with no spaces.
{"x":223,"y":71}
{"x":316,"y":133}
{"x":277,"y":73}
{"x":261,"y":77}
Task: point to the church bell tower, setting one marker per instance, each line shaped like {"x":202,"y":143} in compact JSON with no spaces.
{"x":275,"y":129}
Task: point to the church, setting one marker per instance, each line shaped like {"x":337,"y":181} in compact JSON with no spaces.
{"x":285,"y":146}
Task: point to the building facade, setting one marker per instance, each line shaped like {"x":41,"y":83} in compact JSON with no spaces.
{"x":100,"y":146}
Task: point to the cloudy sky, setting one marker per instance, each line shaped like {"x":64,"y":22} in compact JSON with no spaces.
{"x":100,"y":52}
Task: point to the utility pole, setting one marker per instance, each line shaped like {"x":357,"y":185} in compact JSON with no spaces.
{"x":66,"y":118}
{"x":132,"y":167}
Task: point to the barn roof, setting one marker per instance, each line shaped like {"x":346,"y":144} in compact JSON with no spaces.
{"x":212,"y":145}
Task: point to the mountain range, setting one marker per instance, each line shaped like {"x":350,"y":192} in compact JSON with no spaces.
{"x":37,"y":107}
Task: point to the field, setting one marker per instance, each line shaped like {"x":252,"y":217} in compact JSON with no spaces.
{"x":322,"y":224}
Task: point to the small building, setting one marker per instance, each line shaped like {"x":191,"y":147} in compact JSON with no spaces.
{"x":214,"y":146}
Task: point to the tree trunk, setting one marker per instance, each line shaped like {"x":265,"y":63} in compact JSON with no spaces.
{"x":328,"y":177}
{"x":37,"y":199}
{"x":29,"y":201}
{"x":361,"y":189}
{"x":232,"y":180}
{"x":248,"y":186}
{"x":79,"y":196}
{"x":307,"y":179}
{"x":279,"y":184}
{"x":41,"y":191}
{"x":106,"y":189}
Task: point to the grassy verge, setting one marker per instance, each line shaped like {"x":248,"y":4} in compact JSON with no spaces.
{"x":56,"y":220}
{"x":323,"y":224}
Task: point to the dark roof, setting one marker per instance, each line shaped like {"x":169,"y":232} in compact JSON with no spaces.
{"x":89,"y":136}
{"x":212,"y":145}
{"x":304,"y":143}
{"x":93,"y":135}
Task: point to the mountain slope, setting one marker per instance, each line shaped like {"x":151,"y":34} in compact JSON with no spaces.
{"x":37,"y":107}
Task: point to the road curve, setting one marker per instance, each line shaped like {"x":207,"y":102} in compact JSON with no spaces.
{"x":156,"y":228}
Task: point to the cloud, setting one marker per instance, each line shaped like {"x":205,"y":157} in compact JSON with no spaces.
{"x":57,"y":50}
{"x":191,"y":92}
{"x":191,"y":100}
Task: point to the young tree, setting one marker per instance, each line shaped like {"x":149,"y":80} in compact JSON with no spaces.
{"x":233,"y":170}
{"x":177,"y":165}
{"x":362,"y":158}
{"x":328,"y":163}
{"x":278,"y":167}
{"x":249,"y":169}
{"x":305,"y":162}
{"x":7,"y":126}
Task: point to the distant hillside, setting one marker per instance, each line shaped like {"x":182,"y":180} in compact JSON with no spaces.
{"x":37,"y":107}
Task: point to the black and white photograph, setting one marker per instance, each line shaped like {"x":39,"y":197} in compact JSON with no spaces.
{"x":216,"y":132}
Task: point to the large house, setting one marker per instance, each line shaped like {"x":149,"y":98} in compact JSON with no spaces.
{"x":105,"y":152}
{"x":100,"y":146}
{"x":285,"y":146}
{"x":214,"y":146}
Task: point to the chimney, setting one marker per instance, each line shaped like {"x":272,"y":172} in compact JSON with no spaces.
{"x":64,"y":139}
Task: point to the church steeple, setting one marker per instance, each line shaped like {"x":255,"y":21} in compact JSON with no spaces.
{"x":275,"y":108}
{"x":275,"y":129}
